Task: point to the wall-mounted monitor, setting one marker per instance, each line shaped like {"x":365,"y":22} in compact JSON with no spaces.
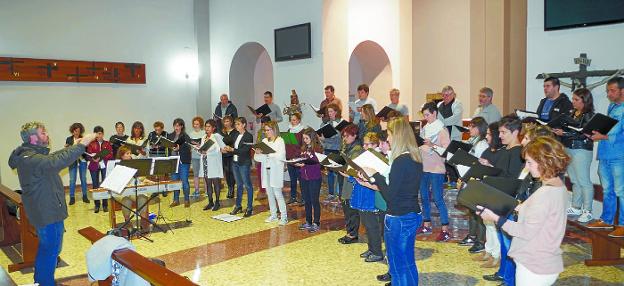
{"x":293,"y":43}
{"x":565,"y":14}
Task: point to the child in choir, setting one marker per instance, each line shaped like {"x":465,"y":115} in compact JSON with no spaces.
{"x":273,"y":171}
{"x":332,"y":146}
{"x":228,"y":132}
{"x":310,"y":174}
{"x":156,"y":150}
{"x":137,"y":137}
{"x":435,"y":134}
{"x":241,"y":164}
{"x":119,"y":137}
{"x":212,"y":167}
{"x":292,"y":151}
{"x":183,"y":150}
{"x":196,"y":135}
{"x":124,"y":153}
{"x":97,"y":165}
{"x":80,"y":166}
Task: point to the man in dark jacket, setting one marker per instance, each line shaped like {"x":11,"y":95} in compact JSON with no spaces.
{"x":554,"y":103}
{"x":224,"y":108}
{"x":43,"y":193}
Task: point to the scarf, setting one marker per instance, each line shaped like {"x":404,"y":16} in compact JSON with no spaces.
{"x":430,"y":130}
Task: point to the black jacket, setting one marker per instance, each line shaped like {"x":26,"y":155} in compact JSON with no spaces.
{"x":185,"y":149}
{"x":244,"y":150}
{"x":229,"y":139}
{"x":562,"y":105}
{"x":401,"y":194}
{"x":575,"y":140}
{"x":156,"y":150}
{"x":43,"y":193}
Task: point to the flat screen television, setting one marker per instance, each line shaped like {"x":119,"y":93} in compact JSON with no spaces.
{"x":293,"y":43}
{"x":565,"y":14}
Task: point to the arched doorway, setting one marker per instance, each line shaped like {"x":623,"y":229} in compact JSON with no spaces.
{"x":370,"y":64}
{"x":251,"y":74}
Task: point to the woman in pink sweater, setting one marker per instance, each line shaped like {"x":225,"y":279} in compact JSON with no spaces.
{"x":541,"y":224}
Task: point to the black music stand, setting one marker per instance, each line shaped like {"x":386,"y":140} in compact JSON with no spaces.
{"x":163,"y":167}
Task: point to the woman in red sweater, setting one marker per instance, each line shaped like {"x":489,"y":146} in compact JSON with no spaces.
{"x":97,"y":164}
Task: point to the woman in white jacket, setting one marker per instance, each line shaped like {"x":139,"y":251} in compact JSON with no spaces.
{"x":272,"y":171}
{"x":214,"y":173}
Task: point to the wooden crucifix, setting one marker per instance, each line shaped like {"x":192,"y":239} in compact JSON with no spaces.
{"x":579,"y":78}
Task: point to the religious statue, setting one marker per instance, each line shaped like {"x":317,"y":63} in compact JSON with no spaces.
{"x":579,"y":78}
{"x":295,"y":106}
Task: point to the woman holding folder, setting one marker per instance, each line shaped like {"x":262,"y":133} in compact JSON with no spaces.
{"x":214,"y":174}
{"x":241,"y":163}
{"x":137,"y":137}
{"x":97,"y":164}
{"x":399,"y":189}
{"x":369,"y":121}
{"x":79,"y":167}
{"x":541,"y":224}
{"x":331,"y":145}
{"x":310,"y":174}
{"x":272,"y":171}
{"x":182,"y":148}
{"x":228,"y":132}
{"x":292,"y":151}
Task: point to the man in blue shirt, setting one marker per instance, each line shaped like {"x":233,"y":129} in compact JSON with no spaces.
{"x":611,"y":162}
{"x":554,"y":103}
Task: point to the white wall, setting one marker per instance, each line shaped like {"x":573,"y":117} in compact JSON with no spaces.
{"x":554,"y":51}
{"x":153,"y":32}
{"x":236,"y":22}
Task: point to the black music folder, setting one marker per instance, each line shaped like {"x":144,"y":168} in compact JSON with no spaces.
{"x":419,"y":140}
{"x":383,"y":113}
{"x":461,"y":157}
{"x":506,"y":185}
{"x":101,"y":154}
{"x":206,"y":145}
{"x":461,"y":129}
{"x":264,"y":109}
{"x":143,"y":166}
{"x":327,"y":131}
{"x":134,"y":149}
{"x":342,"y":125}
{"x":478,"y":171}
{"x":165,"y":142}
{"x":263,"y":147}
{"x":455,"y":145}
{"x":599,"y":122}
{"x":477,"y":193}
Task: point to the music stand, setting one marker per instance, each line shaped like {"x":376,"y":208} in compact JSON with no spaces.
{"x":164,"y":166}
{"x":144,"y":168}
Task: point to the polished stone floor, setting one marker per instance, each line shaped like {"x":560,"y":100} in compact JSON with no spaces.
{"x":252,"y":252}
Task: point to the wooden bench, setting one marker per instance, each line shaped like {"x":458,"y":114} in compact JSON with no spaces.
{"x":606,"y":250}
{"x":147,"y":269}
{"x":17,"y":231}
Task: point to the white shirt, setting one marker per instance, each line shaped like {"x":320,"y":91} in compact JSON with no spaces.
{"x":236,"y":143}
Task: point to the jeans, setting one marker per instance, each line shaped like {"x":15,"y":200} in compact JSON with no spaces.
{"x":310,"y":191}
{"x":373,"y":222}
{"x":243,"y":179}
{"x":434,"y":182}
{"x":400,"y":236}
{"x":507,"y":268}
{"x":182,"y":175}
{"x":81,"y":168}
{"x":293,"y":173}
{"x":95,"y":181}
{"x":578,"y":171}
{"x":331,"y":178}
{"x":611,"y":174}
{"x":50,"y":244}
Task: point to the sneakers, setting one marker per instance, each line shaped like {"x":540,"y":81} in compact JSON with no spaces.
{"x":599,"y":224}
{"x":291,"y":201}
{"x":271,"y":218}
{"x":314,"y":228}
{"x":443,"y":236}
{"x":424,"y":230}
{"x":467,"y":241}
{"x":329,"y":199}
{"x":586,"y":216}
{"x":85,"y":200}
{"x":305,"y":226}
{"x":573,"y":211}
{"x":366,"y":254}
{"x":618,"y":232}
{"x":283,"y":222}
{"x":478,"y":247}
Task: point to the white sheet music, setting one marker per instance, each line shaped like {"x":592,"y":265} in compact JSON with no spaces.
{"x":118,"y":179}
{"x":320,"y":156}
{"x":369,"y":160}
{"x":462,"y":170}
{"x":526,"y":114}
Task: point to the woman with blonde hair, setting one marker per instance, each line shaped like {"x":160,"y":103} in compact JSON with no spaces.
{"x":542,"y":218}
{"x":272,"y":171}
{"x":369,"y":122}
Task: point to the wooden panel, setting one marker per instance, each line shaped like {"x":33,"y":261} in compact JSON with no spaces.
{"x":50,"y":70}
{"x":27,"y":237}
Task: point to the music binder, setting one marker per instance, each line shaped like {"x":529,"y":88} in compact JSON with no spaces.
{"x":506,"y":185}
{"x":289,"y":138}
{"x":599,"y":122}
{"x":478,"y":171}
{"x":461,"y":129}
{"x":134,"y":149}
{"x":327,"y":131}
{"x":263,"y":147}
{"x":143,"y":166}
{"x":206,"y":145}
{"x":383,"y":113}
{"x":318,"y":111}
{"x":103,"y":153}
{"x":461,"y":157}
{"x":342,"y":125}
{"x":454,"y":146}
{"x":167,"y":143}
{"x":263,"y":109}
{"x":419,"y":140}
{"x":478,"y":193}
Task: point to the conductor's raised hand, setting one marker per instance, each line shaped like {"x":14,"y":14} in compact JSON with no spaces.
{"x":86,"y":139}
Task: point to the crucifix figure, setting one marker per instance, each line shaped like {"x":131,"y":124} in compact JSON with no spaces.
{"x":49,"y":68}
{"x":579,"y":78}
{"x":11,"y":63}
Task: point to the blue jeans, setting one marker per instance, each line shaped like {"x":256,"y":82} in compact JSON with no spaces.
{"x":434,"y":182}
{"x":611,"y":174}
{"x":293,"y":173}
{"x":182,"y":175}
{"x":507,"y":268}
{"x":243,"y":179}
{"x":98,"y":177}
{"x":578,"y":171}
{"x":81,"y":168}
{"x":400,"y":237}
{"x":50,"y":244}
{"x":331,"y":178}
{"x":310,"y":191}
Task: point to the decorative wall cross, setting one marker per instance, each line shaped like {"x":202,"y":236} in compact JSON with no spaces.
{"x":48,"y":70}
{"x":579,"y":78}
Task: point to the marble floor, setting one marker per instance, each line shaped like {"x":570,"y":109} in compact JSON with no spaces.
{"x":252,"y":252}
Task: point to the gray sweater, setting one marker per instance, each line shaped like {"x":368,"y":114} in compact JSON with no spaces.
{"x":43,"y":194}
